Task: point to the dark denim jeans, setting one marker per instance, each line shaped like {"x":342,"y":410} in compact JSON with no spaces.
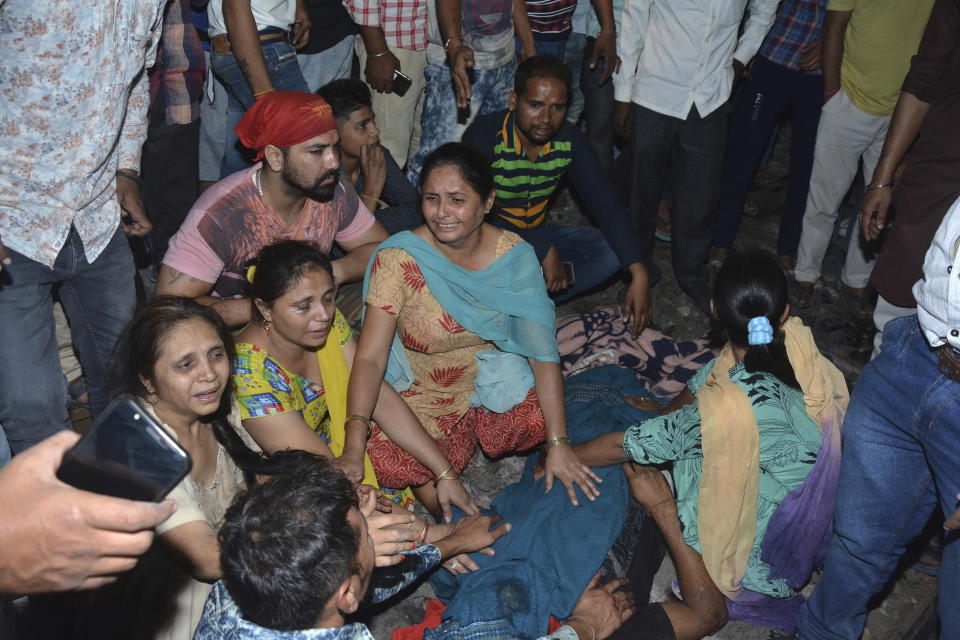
{"x":593,"y":260}
{"x":597,"y":109}
{"x":285,"y":75}
{"x":901,"y":444}
{"x":693,"y":150}
{"x":98,"y":299}
{"x":771,"y":90}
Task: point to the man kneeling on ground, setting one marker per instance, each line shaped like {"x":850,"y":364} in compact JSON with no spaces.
{"x":532,"y":148}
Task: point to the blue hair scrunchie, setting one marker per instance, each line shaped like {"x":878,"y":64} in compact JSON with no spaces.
{"x":759,"y":331}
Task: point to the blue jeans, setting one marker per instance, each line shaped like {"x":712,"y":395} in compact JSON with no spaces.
{"x":98,"y":299}
{"x":328,"y":65}
{"x":593,"y":260}
{"x":281,"y":60}
{"x":490,"y":90}
{"x":901,"y":444}
{"x":597,"y":109}
{"x":574,"y":59}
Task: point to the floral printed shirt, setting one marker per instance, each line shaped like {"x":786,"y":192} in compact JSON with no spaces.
{"x":73,"y":109}
{"x":789,"y":442}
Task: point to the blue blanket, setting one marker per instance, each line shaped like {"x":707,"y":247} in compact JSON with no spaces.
{"x":543,"y":565}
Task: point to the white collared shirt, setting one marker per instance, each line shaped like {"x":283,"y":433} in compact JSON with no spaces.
{"x":677,"y":53}
{"x":938,"y":293}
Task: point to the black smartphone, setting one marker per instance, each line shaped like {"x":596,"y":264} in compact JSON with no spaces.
{"x":127,"y":454}
{"x":401,"y":83}
{"x":568,"y":271}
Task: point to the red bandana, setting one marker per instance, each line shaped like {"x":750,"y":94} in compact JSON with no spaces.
{"x":283,"y":119}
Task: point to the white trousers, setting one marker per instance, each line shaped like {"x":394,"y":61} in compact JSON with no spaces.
{"x":844,"y":137}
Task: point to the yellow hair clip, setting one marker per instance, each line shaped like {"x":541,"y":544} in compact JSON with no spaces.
{"x":251,"y":271}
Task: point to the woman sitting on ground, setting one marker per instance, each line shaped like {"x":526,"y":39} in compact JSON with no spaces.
{"x":744,"y":435}
{"x":441,"y":298}
{"x":292,"y":368}
{"x":175,"y":357}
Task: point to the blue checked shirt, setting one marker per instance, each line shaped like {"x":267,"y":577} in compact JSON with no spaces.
{"x":798,"y":23}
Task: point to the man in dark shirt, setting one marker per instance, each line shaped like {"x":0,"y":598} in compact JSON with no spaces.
{"x":366,"y":163}
{"x":928,"y":111}
{"x":531,"y":148}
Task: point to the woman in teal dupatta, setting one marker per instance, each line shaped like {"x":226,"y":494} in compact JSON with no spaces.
{"x":458,"y":320}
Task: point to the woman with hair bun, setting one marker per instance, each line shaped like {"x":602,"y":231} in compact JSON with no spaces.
{"x":754,"y":443}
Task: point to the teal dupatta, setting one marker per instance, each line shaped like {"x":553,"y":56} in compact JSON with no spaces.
{"x":506,"y":303}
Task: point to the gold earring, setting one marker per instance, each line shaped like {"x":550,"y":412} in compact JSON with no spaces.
{"x":266,"y":326}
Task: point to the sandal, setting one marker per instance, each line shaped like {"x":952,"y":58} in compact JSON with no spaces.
{"x":662,"y":232}
{"x":802,"y":293}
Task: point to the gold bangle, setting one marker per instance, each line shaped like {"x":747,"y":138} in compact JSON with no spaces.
{"x":448,"y":474}
{"x":558,"y":442}
{"x":362,"y":419}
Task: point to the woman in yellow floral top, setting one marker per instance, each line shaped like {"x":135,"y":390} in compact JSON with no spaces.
{"x":292,"y":367}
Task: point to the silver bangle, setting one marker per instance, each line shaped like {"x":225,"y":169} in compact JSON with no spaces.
{"x":378,"y":55}
{"x":877,"y":187}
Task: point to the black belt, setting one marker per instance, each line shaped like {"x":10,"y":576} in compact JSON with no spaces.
{"x":948,"y":362}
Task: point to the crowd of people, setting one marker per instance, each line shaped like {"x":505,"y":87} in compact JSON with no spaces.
{"x":250,"y":159}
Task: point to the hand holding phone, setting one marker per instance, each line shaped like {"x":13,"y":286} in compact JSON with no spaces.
{"x":401,"y":83}
{"x":126,"y":454}
{"x":56,"y":537}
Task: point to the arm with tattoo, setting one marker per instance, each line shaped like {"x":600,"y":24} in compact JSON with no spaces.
{"x":170,"y":282}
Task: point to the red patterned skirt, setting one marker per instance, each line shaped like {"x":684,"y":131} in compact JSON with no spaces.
{"x":497,"y":433}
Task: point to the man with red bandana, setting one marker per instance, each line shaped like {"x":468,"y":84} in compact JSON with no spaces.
{"x":294,"y":192}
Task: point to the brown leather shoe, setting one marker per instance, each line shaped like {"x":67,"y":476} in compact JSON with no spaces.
{"x":858,"y":301}
{"x":801,"y":294}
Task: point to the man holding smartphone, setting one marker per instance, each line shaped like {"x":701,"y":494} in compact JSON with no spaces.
{"x":56,"y":537}
{"x":392,"y":49}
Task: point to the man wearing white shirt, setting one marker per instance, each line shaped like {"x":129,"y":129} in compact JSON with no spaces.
{"x":901,"y":447}
{"x":680,"y":60}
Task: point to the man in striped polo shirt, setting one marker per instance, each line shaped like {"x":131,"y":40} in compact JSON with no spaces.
{"x":531,"y":148}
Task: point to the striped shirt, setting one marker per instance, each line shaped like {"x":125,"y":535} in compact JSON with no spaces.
{"x":524,"y":187}
{"x":550,"y":19}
